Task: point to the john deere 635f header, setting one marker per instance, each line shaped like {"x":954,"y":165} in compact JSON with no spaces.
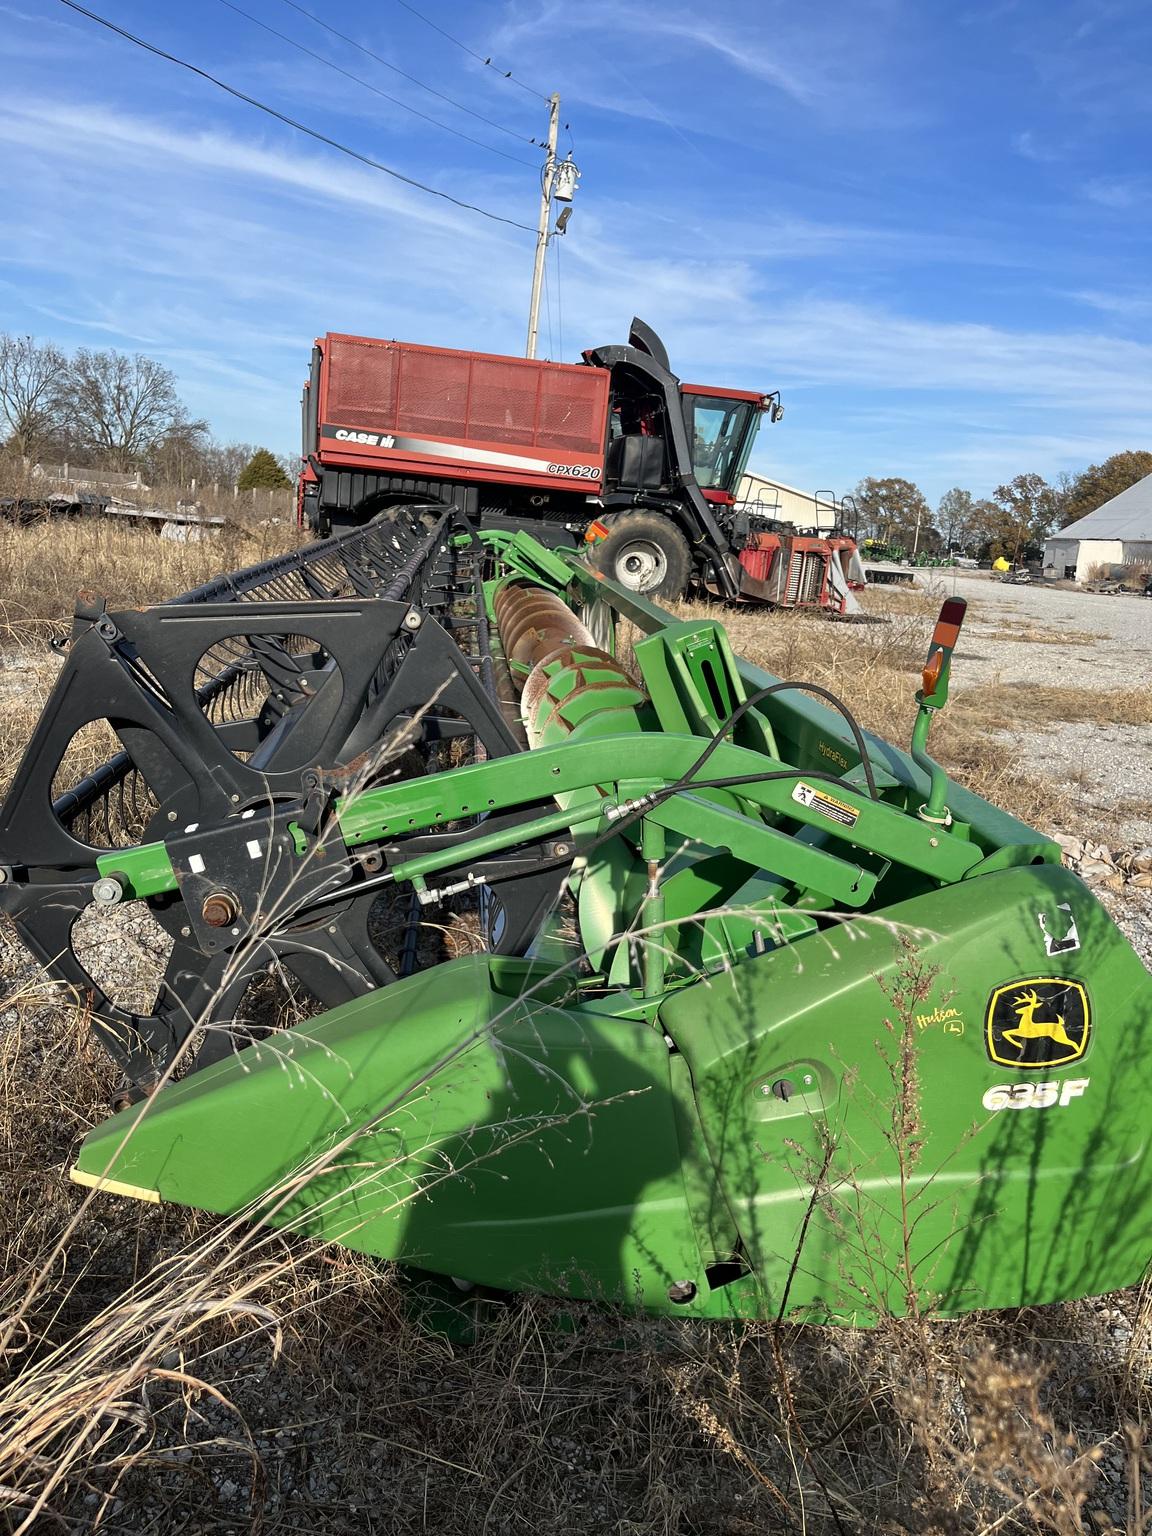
{"x":757,"y":1015}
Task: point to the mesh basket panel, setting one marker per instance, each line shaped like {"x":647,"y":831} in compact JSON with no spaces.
{"x":421,"y":392}
{"x":362,"y":382}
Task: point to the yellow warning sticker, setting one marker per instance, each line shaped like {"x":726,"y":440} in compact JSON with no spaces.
{"x":827,"y":805}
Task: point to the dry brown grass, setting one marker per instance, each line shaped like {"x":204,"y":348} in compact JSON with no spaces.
{"x":44,"y":565}
{"x":1006,"y":707}
{"x":170,"y":1374}
{"x":1027,"y":634}
{"x":875,"y":668}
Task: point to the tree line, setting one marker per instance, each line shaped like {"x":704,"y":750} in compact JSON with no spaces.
{"x":115,"y":411}
{"x":1014,"y":521}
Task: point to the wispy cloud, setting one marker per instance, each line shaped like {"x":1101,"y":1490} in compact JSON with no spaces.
{"x":1029,"y":146}
{"x":1126,"y":306}
{"x":827,"y":66}
{"x":91,"y":132}
{"x":796,"y":81}
{"x":1119,"y":192}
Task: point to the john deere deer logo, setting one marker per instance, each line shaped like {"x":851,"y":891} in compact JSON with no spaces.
{"x":1040,"y":1022}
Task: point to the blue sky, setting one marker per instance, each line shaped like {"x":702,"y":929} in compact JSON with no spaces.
{"x":927,"y":223}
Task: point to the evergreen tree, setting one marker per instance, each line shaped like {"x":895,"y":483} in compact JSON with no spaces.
{"x":263,"y":473}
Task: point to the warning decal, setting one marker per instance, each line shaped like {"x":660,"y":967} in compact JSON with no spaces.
{"x":819,"y":800}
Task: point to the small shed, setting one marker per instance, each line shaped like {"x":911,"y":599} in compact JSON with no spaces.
{"x":1117,"y":533}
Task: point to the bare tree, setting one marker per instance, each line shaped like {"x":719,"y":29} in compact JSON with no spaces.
{"x":32,"y":376}
{"x":122,"y":407}
{"x":178,"y":457}
{"x":222,"y":462}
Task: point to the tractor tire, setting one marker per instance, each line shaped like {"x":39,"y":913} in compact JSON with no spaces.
{"x":646,"y":553}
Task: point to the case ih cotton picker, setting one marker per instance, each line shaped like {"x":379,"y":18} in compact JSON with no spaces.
{"x":767,"y":1017}
{"x":615,"y":451}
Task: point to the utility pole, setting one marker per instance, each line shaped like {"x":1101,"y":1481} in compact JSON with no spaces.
{"x":542,"y":227}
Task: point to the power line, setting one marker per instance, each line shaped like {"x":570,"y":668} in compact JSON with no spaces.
{"x":313,"y":133}
{"x":396,"y":70}
{"x":368,"y":86}
{"x":505,"y":74}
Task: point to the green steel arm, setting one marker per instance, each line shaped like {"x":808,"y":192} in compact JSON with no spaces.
{"x":417,"y":805}
{"x":764,"y":848}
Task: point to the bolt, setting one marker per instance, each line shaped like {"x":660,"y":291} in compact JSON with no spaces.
{"x":185,"y":933}
{"x":220,"y":909}
{"x":3,"y":874}
{"x":681,"y":1292}
{"x":106,"y":892}
{"x":235,"y":799}
{"x":562,"y":849}
{"x":171,"y":815}
{"x":933,"y":842}
{"x":808,"y":1079}
{"x":412,"y":620}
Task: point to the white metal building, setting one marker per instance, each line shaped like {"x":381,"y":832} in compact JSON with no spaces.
{"x":803,"y":509}
{"x":1117,"y":533}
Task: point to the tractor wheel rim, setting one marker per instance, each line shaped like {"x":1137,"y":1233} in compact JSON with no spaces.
{"x":641,"y":565}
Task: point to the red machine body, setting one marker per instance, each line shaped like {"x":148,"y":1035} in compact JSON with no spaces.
{"x":616,"y":443}
{"x":422,"y":411}
{"x":795,"y":570}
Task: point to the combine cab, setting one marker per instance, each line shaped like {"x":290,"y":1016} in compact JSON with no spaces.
{"x":615,"y":451}
{"x":767,"y":1019}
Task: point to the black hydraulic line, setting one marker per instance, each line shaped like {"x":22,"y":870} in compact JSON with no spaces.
{"x":688,"y":779}
{"x":758,"y":698}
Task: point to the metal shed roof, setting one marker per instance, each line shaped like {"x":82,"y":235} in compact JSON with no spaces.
{"x":1127,"y":516}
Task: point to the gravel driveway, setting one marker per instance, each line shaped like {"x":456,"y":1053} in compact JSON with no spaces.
{"x":1106,"y":767}
{"x":1109,"y":644}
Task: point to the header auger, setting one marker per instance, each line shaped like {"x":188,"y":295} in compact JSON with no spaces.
{"x":765,"y":1017}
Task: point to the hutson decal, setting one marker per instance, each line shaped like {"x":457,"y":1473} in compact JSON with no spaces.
{"x":1043,"y":1021}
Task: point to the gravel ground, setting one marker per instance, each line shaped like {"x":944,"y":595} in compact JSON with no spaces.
{"x":1011,"y":637}
{"x":1109,"y":641}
